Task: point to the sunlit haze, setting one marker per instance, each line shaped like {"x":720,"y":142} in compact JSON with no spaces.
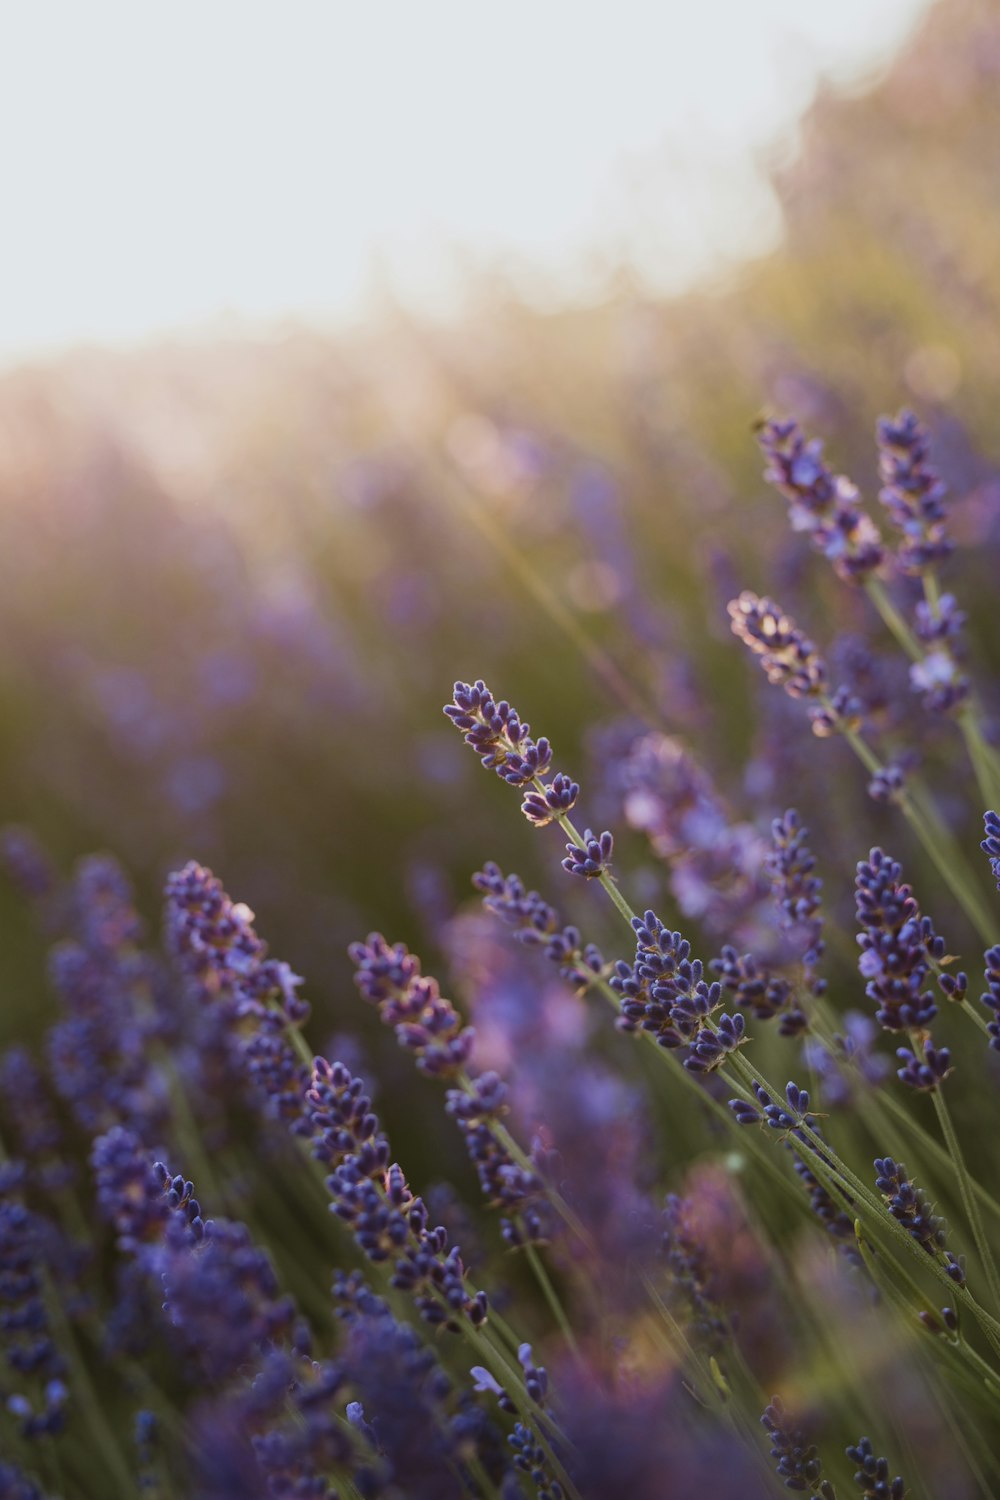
{"x":166,"y":165}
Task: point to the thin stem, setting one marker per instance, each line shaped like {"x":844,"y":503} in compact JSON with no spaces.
{"x":602,"y":663}
{"x":968,"y":1196}
{"x":92,"y":1411}
{"x":981,"y":754}
{"x":956,"y":879}
{"x":876,"y":591}
{"x":552,"y":1298}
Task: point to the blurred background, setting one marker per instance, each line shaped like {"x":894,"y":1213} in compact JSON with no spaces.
{"x":350,"y":350}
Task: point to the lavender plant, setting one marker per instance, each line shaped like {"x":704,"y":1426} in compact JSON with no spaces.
{"x":684,"y":1131}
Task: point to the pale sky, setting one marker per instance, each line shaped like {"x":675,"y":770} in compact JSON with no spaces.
{"x":161,"y":165}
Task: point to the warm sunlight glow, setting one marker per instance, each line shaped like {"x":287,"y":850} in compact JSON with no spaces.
{"x":163,"y":165}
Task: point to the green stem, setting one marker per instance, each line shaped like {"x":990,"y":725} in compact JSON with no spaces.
{"x":981,"y":754}
{"x":958,"y":882}
{"x":968,"y":1196}
{"x":91,"y":1410}
{"x":552,"y":1298}
{"x":601,"y":662}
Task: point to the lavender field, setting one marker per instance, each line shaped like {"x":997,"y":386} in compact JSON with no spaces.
{"x":589,"y":1089}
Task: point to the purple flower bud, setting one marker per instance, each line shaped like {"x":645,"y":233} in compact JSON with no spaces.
{"x":594,"y":859}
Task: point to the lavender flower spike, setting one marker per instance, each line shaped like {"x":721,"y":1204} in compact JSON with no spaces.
{"x":912,"y":492}
{"x":992,"y":997}
{"x":538,"y":925}
{"x":909,"y":1205}
{"x":820,"y":502}
{"x":991,"y":844}
{"x":897,"y":943}
{"x":790,"y":660}
{"x":797,"y":1461}
{"x":496,"y":733}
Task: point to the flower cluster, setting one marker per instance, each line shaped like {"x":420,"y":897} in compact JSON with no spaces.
{"x":518,"y":1190}
{"x":428,"y":1025}
{"x":992,"y":997}
{"x":821,"y":503}
{"x":898,"y":945}
{"x":163,"y":1341}
{"x":503,"y":744}
{"x":798,"y":893}
{"x":500,"y":739}
{"x":536,"y":924}
{"x":664,"y":992}
{"x":938,"y":676}
{"x":759,"y":990}
{"x":790,"y":660}
{"x":714,"y":858}
{"x":909,"y":1205}
{"x":425,"y":1023}
{"x":789,"y":1117}
{"x":912,"y":492}
{"x":798,"y":1462}
{"x":556,"y":799}
{"x":35,"y":1391}
{"x":593,"y":858}
{"x":872,"y":1476}
{"x":991,"y":844}
{"x":254,"y":998}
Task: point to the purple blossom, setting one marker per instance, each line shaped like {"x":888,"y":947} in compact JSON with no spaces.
{"x":411,"y":1003}
{"x":664,"y":991}
{"x":872,"y":1476}
{"x":908,"y":1204}
{"x":898,"y":946}
{"x":498,"y":736}
{"x":35,"y":1388}
{"x":788,"y":1117}
{"x":254,"y":996}
{"x":797,"y":1461}
{"x":990,"y":845}
{"x":557,"y":799}
{"x":926,"y":1069}
{"x":756,"y":989}
{"x":992,"y":997}
{"x":790,"y":660}
{"x":798,"y":892}
{"x":912,"y":493}
{"x":593,"y":859}
{"x":536,"y":924}
{"x":821,"y":503}
{"x":714,"y":859}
